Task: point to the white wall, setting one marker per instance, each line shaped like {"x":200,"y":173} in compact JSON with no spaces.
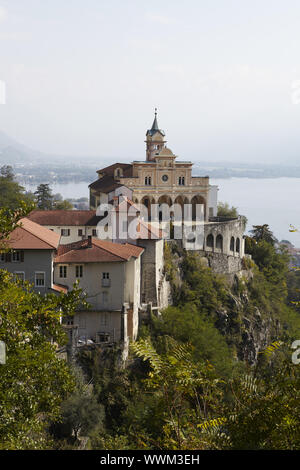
{"x":91,"y":282}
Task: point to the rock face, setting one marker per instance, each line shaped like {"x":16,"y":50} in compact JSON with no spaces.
{"x":246,"y":326}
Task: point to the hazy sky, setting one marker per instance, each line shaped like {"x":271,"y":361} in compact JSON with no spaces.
{"x":83,"y":77}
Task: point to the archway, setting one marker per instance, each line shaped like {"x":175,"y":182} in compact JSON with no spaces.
{"x":197,"y":200}
{"x":232,"y":244}
{"x":219,"y":242}
{"x":210,"y":241}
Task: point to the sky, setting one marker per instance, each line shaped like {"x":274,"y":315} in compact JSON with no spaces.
{"x":82,"y":78}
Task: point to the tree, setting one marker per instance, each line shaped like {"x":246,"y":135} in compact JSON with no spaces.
{"x":34,"y":380}
{"x":47,"y":201}
{"x":62,"y":205}
{"x":44,"y":197}
{"x":263,"y":232}
{"x":6,"y":171}
{"x":12,"y":195}
{"x":186,"y":393}
{"x":224,"y":210}
{"x":81,"y":414}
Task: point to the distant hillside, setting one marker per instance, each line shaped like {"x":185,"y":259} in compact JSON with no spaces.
{"x":12,"y":151}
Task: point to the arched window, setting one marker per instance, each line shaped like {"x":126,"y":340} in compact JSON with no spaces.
{"x":219,"y":242}
{"x":210,"y":241}
{"x":118,"y":173}
{"x":232,"y":244}
{"x":237,"y":245}
{"x":148,"y":180}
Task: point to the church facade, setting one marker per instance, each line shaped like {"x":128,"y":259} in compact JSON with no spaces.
{"x":163,"y":179}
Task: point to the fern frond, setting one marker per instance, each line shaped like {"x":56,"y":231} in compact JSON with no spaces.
{"x":144,"y":349}
{"x":271,"y":348}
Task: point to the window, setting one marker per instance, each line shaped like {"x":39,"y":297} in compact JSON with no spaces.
{"x":105,"y":280}
{"x":210,"y":241}
{"x":94,"y":232}
{"x":2,"y":257}
{"x":40,"y":279}
{"x":80,"y":233}
{"x":181,"y":180}
{"x":16,"y":256}
{"x":148,"y":180}
{"x":165,"y":178}
{"x":232,"y":244}
{"x":65,"y":232}
{"x":63,"y":271}
{"x":79,"y":271}
{"x":19,"y":275}
{"x":219,"y":242}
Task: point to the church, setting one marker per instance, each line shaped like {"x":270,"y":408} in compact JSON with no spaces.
{"x":163,"y":179}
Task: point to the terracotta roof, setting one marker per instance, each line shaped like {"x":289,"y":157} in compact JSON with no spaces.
{"x":32,"y":236}
{"x":100,"y":251}
{"x":65,"y":217}
{"x":107,"y":182}
{"x":60,"y":288}
{"x":109,"y":170}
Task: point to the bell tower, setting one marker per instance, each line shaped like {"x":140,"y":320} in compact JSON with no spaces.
{"x":154,"y":140}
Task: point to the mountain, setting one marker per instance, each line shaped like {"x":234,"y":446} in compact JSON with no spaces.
{"x":12,"y":151}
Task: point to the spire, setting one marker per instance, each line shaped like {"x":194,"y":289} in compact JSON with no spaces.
{"x":155,"y":127}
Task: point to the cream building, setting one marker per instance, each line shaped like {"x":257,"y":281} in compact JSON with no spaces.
{"x":161,"y":178}
{"x":109,"y":273}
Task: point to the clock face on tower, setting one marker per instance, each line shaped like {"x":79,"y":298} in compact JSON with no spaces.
{"x":165,"y":178}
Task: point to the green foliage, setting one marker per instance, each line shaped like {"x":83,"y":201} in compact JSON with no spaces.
{"x":34,"y":380}
{"x":263,"y":233}
{"x":80,"y":414}
{"x":200,"y":286}
{"x":186,"y":324}
{"x":47,"y":201}
{"x":224,"y":210}
{"x":9,"y":220}
{"x":185,"y":392}
{"x":12,"y":195}
{"x":266,"y":410}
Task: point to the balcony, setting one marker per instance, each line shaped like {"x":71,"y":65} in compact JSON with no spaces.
{"x":105,"y":282}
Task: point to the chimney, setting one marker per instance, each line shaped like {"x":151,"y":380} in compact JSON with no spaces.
{"x":89,"y":241}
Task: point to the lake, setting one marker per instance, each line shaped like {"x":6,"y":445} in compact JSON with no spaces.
{"x":265,"y":201}
{"x":262,"y":201}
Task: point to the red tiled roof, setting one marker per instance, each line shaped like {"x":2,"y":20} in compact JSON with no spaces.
{"x":107,"y":182}
{"x":109,"y":170}
{"x":32,"y":236}
{"x":65,"y":217}
{"x":100,"y":251}
{"x":60,"y":288}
